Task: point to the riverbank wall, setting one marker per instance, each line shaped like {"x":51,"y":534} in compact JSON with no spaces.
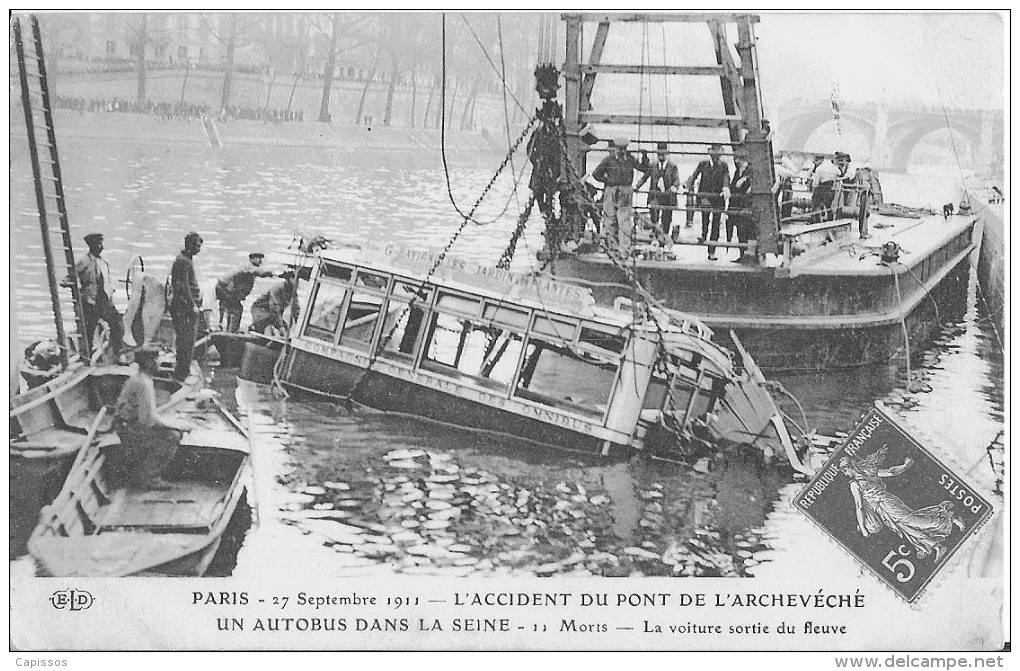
{"x":348,"y":137}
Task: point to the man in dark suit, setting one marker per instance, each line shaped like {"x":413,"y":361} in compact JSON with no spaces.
{"x":663,"y":178}
{"x":712,"y":176}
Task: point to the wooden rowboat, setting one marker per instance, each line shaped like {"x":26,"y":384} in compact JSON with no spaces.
{"x":97,"y":526}
{"x":48,"y":426}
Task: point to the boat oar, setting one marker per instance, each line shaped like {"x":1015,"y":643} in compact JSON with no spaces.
{"x":79,"y":458}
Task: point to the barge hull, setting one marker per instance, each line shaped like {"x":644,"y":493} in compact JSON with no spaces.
{"x":808,"y":322}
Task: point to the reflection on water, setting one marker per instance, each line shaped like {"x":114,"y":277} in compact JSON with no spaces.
{"x":354,"y":492}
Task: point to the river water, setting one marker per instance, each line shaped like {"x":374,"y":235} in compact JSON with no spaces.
{"x":340,"y":492}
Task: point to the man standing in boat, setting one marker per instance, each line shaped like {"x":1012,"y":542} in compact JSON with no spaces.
{"x":235,"y":287}
{"x":185,"y":304}
{"x":616,"y":172}
{"x":96,"y":289}
{"x":712,"y":176}
{"x":664,"y":180}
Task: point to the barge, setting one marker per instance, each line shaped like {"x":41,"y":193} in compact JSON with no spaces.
{"x":831,"y":288}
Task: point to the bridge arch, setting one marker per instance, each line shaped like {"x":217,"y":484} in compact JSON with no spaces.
{"x":905,"y":137}
{"x":797,"y":130}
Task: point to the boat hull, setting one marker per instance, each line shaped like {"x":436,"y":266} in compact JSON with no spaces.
{"x":34,"y":481}
{"x":808,"y":322}
{"x":991,"y":266}
{"x":326,"y":375}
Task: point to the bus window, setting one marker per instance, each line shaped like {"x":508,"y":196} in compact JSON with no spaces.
{"x":362,"y":317}
{"x":336,"y":272}
{"x":555,"y":328}
{"x":467,"y":307}
{"x":478,"y":355}
{"x":517,"y":319}
{"x":404,"y":321}
{"x":604,"y":340}
{"x":325,"y":312}
{"x":371,"y":280}
{"x":555,"y":376}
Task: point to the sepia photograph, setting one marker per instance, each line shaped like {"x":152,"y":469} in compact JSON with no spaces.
{"x":529,"y":330}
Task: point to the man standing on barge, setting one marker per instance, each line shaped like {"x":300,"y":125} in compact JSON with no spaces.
{"x":616,"y":172}
{"x":663,"y":178}
{"x":185,"y":304}
{"x":712,"y":176}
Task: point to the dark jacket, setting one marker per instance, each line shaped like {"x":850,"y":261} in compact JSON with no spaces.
{"x":712,"y":177}
{"x":184,"y":292}
{"x":615,"y":170}
{"x":740,"y":185}
{"x":668,"y":175}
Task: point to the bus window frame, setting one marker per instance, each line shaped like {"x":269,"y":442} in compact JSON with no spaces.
{"x":316,"y":288}
{"x":353,"y":288}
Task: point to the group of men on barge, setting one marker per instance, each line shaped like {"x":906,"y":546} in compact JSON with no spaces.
{"x":711,"y":190}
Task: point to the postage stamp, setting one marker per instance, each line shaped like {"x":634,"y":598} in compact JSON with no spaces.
{"x":893,"y":505}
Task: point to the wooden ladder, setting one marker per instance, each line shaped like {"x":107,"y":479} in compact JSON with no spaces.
{"x":49,"y":187}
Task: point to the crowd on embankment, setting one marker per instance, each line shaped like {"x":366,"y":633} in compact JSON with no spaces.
{"x":177,"y":110}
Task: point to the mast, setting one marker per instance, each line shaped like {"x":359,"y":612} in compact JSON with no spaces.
{"x":742,"y":117}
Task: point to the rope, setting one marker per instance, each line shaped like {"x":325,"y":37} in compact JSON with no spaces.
{"x":926,"y":292}
{"x":952,"y":136}
{"x":446,"y":166}
{"x":665,"y":82}
{"x":903,"y":323}
{"x":501,"y":75}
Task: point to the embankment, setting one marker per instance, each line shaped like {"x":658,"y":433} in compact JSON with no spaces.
{"x":129,"y":127}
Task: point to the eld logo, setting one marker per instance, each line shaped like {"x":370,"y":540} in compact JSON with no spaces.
{"x":893,"y":505}
{"x":71,"y":599}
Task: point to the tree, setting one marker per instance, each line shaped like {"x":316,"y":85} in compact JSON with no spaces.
{"x":228,"y":70}
{"x":141,"y":41}
{"x":394,"y":75}
{"x":364,"y":90}
{"x":327,"y":74}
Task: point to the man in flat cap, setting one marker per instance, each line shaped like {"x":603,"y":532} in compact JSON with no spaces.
{"x":234,"y":288}
{"x":663,"y":178}
{"x":96,"y":286}
{"x":185,"y":304}
{"x":616,"y":172}
{"x":712,"y":176}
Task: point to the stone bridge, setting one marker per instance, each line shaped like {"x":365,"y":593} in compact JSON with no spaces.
{"x":891,"y":133}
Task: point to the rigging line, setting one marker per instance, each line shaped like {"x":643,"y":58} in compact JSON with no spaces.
{"x":665,"y":79}
{"x":506,"y":107}
{"x":442,"y":145}
{"x":952,"y":136}
{"x":485,"y":52}
{"x":903,"y":323}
